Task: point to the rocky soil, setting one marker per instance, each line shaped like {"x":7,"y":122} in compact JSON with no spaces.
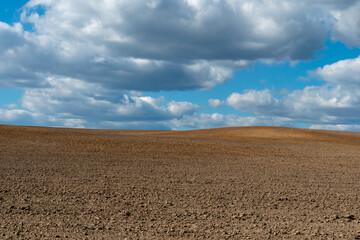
{"x":231,"y":183}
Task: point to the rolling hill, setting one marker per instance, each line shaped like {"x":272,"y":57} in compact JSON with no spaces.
{"x":226,"y":183}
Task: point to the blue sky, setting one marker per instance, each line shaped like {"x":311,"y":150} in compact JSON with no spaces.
{"x":182,"y":64}
{"x":10,"y":10}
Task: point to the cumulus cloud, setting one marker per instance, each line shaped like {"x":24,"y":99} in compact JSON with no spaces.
{"x":216,"y":103}
{"x":228,"y":120}
{"x":342,"y":72}
{"x":335,"y":105}
{"x":347,"y":23}
{"x":182,"y":108}
{"x":337,"y":127}
{"x":171,"y":45}
{"x":12,"y":71}
{"x":192,"y":30}
{"x":324,"y":104}
{"x":74,"y":103}
{"x":255,"y":101}
{"x":15,"y":114}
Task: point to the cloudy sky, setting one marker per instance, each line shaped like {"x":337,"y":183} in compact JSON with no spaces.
{"x":180,"y":64}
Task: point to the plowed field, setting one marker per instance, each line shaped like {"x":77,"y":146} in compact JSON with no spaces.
{"x":230,"y":183}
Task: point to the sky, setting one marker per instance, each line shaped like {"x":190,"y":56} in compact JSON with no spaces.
{"x":180,"y":64}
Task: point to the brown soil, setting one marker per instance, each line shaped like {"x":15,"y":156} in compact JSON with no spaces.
{"x":230,"y":183}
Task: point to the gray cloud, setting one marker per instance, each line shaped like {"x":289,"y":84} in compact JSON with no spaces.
{"x":186,"y":30}
{"x":347,"y":24}
{"x":171,"y":45}
{"x":28,"y":59}
{"x":72,"y":102}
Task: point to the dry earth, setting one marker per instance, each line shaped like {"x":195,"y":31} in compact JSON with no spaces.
{"x":231,"y":183}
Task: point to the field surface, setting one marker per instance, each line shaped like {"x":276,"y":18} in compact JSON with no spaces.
{"x":230,"y":183}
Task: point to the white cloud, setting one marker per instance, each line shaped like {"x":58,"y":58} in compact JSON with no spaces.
{"x":347,"y":24}
{"x":73,"y":123}
{"x":14,"y":114}
{"x":342,"y":72}
{"x":11,"y":106}
{"x":324,"y":104}
{"x":75,"y":103}
{"x":337,"y":127}
{"x":219,"y":120}
{"x":216,"y":103}
{"x":251,"y":100}
{"x":335,"y":105}
{"x":182,"y":108}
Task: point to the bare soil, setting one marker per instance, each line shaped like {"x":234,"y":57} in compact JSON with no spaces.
{"x":230,"y":183}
